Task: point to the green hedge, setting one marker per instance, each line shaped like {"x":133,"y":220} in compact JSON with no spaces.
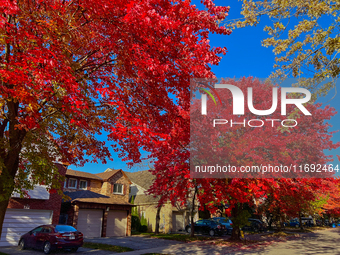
{"x":138,"y":223}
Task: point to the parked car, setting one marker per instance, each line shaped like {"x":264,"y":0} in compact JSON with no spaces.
{"x":256,"y":225}
{"x":293,"y":223}
{"x":307,"y":221}
{"x":226,"y":222}
{"x":52,"y":237}
{"x":207,"y":226}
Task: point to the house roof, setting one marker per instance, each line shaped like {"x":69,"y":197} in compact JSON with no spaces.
{"x":87,"y":196}
{"x":100,"y":176}
{"x":81,"y":174}
{"x":111,"y":172}
{"x":144,"y":199}
{"x":141,"y":178}
{"x":84,"y":194}
{"x":108,"y":174}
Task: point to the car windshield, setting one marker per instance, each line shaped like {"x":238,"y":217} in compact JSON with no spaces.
{"x":64,"y":228}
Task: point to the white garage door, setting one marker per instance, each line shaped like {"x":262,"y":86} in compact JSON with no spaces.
{"x":116,"y":223}
{"x":19,"y":221}
{"x":177,"y":221}
{"x":90,"y":222}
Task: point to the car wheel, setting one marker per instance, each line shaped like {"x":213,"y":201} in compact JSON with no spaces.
{"x":22,"y":244}
{"x":47,"y":248}
{"x":189,"y":230}
{"x":256,"y":229}
{"x":74,"y":249}
{"x":211,"y":232}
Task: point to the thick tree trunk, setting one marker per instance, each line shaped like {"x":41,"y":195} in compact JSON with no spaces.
{"x":158,"y":219}
{"x":278,"y":220}
{"x":9,"y":157}
{"x":3,"y":208}
{"x":300,"y":221}
{"x":5,"y":191}
{"x":236,"y":233}
{"x":282,"y":223}
{"x":192,"y":234}
{"x":7,"y":184}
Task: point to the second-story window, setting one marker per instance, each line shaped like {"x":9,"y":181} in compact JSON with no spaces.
{"x":83,"y":184}
{"x":118,"y":188}
{"x":72,"y":183}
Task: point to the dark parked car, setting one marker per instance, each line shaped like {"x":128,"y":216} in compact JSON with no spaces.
{"x":52,"y":237}
{"x":207,"y":226}
{"x":226,"y":222}
{"x":306,"y":221}
{"x":256,"y":225}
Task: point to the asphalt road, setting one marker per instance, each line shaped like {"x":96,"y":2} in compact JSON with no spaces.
{"x":325,"y":242}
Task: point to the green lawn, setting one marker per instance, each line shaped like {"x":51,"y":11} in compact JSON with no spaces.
{"x":1,"y":253}
{"x":179,"y":237}
{"x":155,"y":254}
{"x":105,"y":247}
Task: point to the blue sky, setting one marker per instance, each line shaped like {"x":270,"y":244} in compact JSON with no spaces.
{"x":245,"y":57}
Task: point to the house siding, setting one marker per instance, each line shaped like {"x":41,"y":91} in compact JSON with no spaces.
{"x":53,"y":203}
{"x":96,"y":186}
{"x":73,"y":213}
{"x":92,"y":185}
{"x":104,"y":187}
{"x":120,"y":179}
{"x":166,"y":216}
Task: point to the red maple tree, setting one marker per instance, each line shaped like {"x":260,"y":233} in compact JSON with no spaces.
{"x":241,"y":146}
{"x":73,"y":69}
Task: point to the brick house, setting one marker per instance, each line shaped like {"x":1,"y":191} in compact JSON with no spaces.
{"x":24,"y":214}
{"x":99,"y":203}
{"x":172,"y":218}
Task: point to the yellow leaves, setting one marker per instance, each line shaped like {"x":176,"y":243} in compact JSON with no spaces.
{"x":312,"y":42}
{"x":32,"y":107}
{"x":269,"y":42}
{"x":333,"y":44}
{"x":318,"y":8}
{"x":279,"y":25}
{"x":303,"y":27}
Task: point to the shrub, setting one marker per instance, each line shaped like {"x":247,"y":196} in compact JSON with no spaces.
{"x":143,"y":228}
{"x":135,"y":223}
